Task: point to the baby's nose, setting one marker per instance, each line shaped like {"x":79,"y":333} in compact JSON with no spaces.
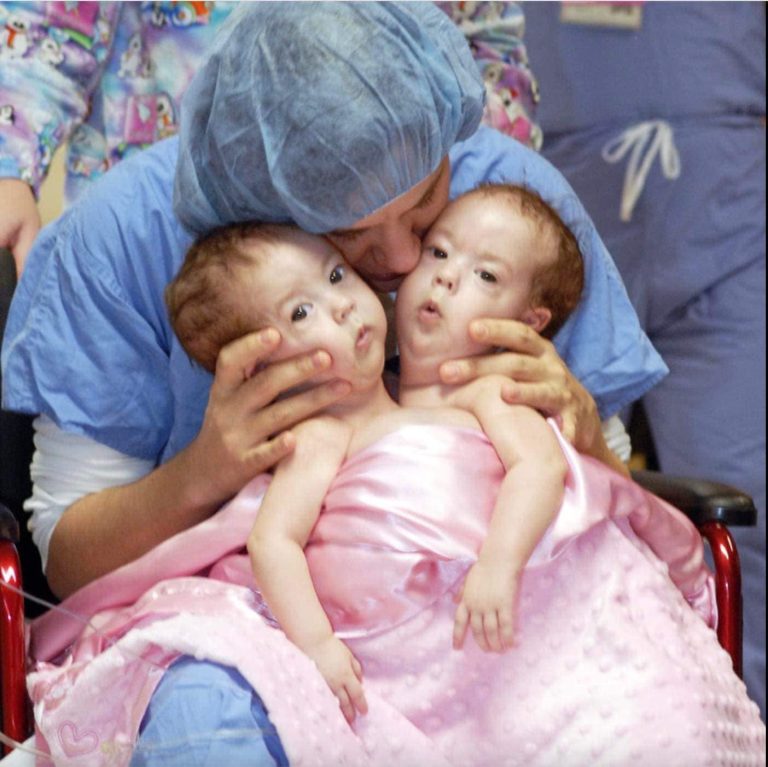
{"x":447,"y":279}
{"x":344,"y":307}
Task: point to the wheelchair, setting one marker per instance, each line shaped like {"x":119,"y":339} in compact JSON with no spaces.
{"x":711,"y":506}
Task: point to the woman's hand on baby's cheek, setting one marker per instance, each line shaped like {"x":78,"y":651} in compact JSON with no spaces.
{"x":538,"y":377}
{"x":522,"y":361}
{"x":244,"y":431}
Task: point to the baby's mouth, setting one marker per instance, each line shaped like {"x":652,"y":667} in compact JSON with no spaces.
{"x":430,"y":310}
{"x":364,"y":338}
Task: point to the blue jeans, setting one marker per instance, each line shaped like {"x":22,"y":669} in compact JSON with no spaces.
{"x":206,"y":714}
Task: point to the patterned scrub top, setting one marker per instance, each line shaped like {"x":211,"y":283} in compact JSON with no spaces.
{"x":108,"y":77}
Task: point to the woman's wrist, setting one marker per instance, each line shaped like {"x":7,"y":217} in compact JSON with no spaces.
{"x":199,"y":494}
{"x":600,"y":450}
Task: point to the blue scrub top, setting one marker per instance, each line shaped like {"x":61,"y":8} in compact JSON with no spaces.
{"x":88,"y":341}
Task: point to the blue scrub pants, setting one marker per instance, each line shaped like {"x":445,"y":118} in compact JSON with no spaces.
{"x":693,"y":260}
{"x":204,"y":714}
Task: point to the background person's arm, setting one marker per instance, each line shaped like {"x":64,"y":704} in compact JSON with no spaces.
{"x":45,"y":72}
{"x":19,"y":219}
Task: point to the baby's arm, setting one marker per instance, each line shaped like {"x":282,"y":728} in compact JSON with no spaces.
{"x":288,"y":513}
{"x":528,"y":500}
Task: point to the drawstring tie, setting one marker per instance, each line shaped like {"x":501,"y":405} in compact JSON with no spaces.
{"x":646,"y":140}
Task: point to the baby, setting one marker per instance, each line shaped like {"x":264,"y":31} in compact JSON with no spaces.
{"x":497,"y":252}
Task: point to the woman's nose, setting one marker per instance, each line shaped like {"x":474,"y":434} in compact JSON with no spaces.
{"x":398,"y":250}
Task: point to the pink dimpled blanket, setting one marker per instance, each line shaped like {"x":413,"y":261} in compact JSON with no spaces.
{"x":615,"y":663}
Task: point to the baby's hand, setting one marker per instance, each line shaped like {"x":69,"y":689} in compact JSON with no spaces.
{"x":486,"y":603}
{"x":343,"y":673}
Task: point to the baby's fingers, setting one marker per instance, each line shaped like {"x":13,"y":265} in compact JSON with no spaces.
{"x":357,"y":697}
{"x":357,"y":668}
{"x":491,"y":632}
{"x":478,"y":631}
{"x":460,"y":624}
{"x":506,"y":629}
{"x":345,"y":704}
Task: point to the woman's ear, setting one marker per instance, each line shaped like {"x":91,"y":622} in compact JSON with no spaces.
{"x":537,"y":317}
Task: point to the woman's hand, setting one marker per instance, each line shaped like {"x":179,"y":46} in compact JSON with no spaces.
{"x":244,"y":428}
{"x":539,"y":379}
{"x":243,"y":434}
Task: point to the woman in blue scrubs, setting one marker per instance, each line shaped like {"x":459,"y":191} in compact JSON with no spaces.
{"x":354,"y":120}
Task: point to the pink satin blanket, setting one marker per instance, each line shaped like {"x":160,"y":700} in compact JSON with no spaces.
{"x":611,"y":665}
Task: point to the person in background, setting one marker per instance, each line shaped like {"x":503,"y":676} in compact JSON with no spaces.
{"x":495,"y":32}
{"x":105,"y":77}
{"x":655,"y":112}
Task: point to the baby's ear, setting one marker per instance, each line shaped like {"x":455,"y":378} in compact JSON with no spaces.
{"x":537,"y":317}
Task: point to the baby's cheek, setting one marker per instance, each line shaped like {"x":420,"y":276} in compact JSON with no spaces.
{"x":481,"y":350}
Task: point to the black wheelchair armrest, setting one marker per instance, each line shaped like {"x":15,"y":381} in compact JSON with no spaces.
{"x":701,"y":500}
{"x":9,"y":525}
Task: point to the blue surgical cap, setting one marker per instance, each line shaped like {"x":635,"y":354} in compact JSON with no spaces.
{"x":321,"y":113}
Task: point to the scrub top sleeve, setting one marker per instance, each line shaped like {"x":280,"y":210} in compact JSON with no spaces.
{"x":84,"y":357}
{"x":88,"y":341}
{"x":602,"y":343}
{"x":52,"y":59}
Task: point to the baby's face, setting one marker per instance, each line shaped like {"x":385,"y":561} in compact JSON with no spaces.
{"x":478,"y":260}
{"x":306,"y":290}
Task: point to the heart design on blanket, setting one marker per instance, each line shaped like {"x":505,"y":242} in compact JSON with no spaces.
{"x":77,"y":743}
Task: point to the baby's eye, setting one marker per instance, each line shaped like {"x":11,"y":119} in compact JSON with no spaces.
{"x":438,"y":253}
{"x":301,"y":312}
{"x":486,"y":276}
{"x":337,"y":275}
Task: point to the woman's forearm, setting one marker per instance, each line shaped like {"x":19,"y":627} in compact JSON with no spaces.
{"x":111,"y":527}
